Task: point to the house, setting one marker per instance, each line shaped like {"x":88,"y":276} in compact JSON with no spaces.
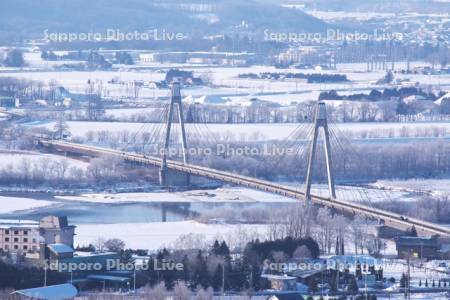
{"x":59,"y":251}
{"x":417,"y":247}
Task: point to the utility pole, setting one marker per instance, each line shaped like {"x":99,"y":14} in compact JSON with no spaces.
{"x":251,"y":277}
{"x":320,"y":122}
{"x":134,"y":281}
{"x":408,"y":280}
{"x":175,"y":101}
{"x":45,"y":275}
{"x":223,"y":281}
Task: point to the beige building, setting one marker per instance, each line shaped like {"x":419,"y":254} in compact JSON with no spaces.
{"x":18,"y":236}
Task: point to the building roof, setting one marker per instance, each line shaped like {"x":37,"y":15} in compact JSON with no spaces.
{"x":445,"y":248}
{"x":410,"y":241}
{"x":303,"y":274}
{"x":8,"y":224}
{"x":60,"y":248}
{"x":443,"y":99}
{"x":53,"y":292}
{"x":108,"y":278}
{"x":54,"y":222}
{"x":285,"y":296}
{"x":278,"y":277}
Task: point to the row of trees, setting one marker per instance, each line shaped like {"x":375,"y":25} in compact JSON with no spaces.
{"x":344,"y":111}
{"x":361,"y":162}
{"x":430,"y":208}
{"x":63,"y":173}
{"x":153,"y":134}
{"x":386,"y":94}
{"x":311,"y":78}
{"x":369,"y":161}
{"x":25,"y":89}
{"x":334,"y":233}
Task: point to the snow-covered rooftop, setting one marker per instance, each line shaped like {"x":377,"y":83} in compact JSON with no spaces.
{"x":60,"y":248}
{"x":440,"y":100}
{"x":5,"y":224}
{"x":54,"y":292}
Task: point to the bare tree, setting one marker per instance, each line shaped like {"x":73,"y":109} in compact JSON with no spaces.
{"x":205,"y":294}
{"x":114,"y":245}
{"x":181,"y":291}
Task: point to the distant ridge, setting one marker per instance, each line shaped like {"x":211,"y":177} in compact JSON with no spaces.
{"x":29,"y":18}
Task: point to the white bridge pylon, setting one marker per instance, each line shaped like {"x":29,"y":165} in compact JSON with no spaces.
{"x":320,"y":122}
{"x":175,"y":102}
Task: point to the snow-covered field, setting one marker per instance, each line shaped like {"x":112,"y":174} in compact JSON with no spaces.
{"x":156,"y":235}
{"x":14,"y":204}
{"x":225,"y":80}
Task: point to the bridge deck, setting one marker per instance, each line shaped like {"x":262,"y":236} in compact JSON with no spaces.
{"x":391,"y":219}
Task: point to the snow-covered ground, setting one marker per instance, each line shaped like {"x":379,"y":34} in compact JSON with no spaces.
{"x":156,"y":235}
{"x":239,"y":195}
{"x":361,"y":194}
{"x":225,"y":80}
{"x":234,"y":195}
{"x":435,"y":187}
{"x":14,"y":160}
{"x":14,"y":204}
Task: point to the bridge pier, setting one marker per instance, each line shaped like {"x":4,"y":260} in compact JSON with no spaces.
{"x":173,"y":178}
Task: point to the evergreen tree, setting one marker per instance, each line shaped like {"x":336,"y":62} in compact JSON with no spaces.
{"x":224,"y":250}
{"x":186,"y":269}
{"x":217,"y":278}
{"x":200,"y":275}
{"x":353,"y":286}
{"x":14,"y":58}
{"x":358,"y":271}
{"x":403,"y":281}
{"x":216,"y":248}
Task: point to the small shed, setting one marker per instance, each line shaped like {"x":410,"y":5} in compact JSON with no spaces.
{"x":60,"y":251}
{"x":418,"y":247}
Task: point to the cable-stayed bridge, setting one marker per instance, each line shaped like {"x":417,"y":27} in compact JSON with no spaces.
{"x":171,"y":169}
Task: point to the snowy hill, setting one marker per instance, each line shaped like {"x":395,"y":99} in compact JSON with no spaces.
{"x":23,"y":18}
